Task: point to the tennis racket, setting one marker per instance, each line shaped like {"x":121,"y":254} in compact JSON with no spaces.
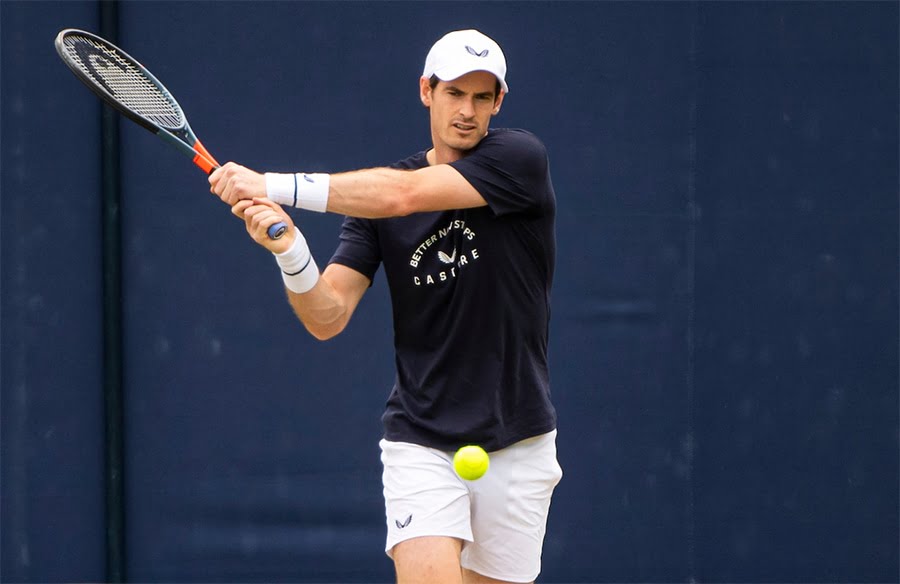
{"x":126,"y":85}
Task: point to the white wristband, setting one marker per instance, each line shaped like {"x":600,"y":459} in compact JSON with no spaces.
{"x":298,"y":268}
{"x":301,"y":190}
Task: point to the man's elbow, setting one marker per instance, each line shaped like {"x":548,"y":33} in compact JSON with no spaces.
{"x":324,"y":332}
{"x":326,"y":325}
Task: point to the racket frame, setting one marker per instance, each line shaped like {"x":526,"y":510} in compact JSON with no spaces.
{"x":182,"y":137}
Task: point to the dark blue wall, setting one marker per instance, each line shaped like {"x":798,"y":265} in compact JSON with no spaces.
{"x":725,"y":316}
{"x":52,"y":506}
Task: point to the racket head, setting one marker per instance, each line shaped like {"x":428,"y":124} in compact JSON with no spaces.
{"x":120,"y":80}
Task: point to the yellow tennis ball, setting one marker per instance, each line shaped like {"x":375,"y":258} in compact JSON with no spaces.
{"x":471,"y":462}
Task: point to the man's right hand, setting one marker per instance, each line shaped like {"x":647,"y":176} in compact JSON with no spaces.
{"x":233,"y":182}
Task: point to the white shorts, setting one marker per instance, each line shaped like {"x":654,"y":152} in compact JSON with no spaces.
{"x":500,"y":518}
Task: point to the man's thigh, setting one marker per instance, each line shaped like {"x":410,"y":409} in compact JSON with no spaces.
{"x":470,"y":577}
{"x":429,"y":559}
{"x":434,"y":560}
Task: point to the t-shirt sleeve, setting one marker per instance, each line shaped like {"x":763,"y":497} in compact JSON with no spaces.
{"x":358,"y":247}
{"x":509,"y":168}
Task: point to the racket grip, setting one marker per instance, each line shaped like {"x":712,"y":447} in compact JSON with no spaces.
{"x":277,"y":230}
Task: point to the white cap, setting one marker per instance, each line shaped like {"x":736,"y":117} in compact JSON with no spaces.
{"x":463,"y":51}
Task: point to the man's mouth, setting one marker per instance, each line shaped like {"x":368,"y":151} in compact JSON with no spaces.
{"x":464,"y":127}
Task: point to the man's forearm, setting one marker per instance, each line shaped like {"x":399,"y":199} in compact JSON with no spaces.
{"x":385,"y":192}
{"x":372,"y":193}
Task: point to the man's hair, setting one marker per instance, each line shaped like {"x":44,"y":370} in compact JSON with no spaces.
{"x":433,"y":81}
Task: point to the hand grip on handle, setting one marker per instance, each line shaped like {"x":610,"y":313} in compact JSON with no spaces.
{"x":276,"y":231}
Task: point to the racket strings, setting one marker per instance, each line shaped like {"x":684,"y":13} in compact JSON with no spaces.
{"x":125,"y":81}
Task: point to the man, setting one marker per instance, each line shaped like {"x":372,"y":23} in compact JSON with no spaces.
{"x":465,"y":232}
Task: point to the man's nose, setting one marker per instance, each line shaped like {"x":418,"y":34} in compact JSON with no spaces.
{"x":467,"y":108}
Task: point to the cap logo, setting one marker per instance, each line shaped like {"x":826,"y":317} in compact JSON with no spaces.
{"x":475,"y":53}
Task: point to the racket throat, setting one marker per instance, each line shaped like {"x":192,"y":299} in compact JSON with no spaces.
{"x":204,"y":159}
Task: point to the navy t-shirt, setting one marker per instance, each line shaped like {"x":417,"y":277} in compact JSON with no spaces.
{"x":470,"y":290}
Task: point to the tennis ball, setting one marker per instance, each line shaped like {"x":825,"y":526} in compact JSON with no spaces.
{"x":471,"y":462}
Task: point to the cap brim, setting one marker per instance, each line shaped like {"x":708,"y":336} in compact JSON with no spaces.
{"x":455,"y":72}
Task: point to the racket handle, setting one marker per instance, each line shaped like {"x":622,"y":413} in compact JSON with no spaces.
{"x":276,"y":231}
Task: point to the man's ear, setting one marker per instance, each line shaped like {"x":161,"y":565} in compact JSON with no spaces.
{"x":497,"y":103}
{"x":425,"y":91}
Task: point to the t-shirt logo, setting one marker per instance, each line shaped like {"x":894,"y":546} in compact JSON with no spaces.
{"x":447,"y":259}
{"x":427,"y":271}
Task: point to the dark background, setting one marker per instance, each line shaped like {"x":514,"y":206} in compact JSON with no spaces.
{"x":725,"y":313}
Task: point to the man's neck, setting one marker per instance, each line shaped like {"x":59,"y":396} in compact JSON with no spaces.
{"x":443,"y":156}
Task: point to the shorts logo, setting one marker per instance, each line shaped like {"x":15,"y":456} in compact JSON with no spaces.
{"x":404,"y":524}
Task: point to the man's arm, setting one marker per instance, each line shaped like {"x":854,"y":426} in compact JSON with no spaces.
{"x":370,"y":194}
{"x":386,"y":192}
{"x":326,"y":308}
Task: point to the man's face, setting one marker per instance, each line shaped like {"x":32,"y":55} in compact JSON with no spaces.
{"x":461,"y":112}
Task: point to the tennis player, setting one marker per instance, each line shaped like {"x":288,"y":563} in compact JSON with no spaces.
{"x":465,"y":232}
